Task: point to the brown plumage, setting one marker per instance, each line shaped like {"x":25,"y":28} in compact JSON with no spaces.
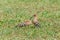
{"x":35,"y":20}
{"x":29,"y":22}
{"x":25,"y":23}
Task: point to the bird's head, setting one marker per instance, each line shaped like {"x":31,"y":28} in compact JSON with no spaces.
{"x":35,"y":15}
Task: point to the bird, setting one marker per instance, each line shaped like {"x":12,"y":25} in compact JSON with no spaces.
{"x":25,"y":23}
{"x":28,"y":22}
{"x":35,"y":20}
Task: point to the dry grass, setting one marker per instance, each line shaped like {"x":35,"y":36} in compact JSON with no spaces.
{"x":13,"y":12}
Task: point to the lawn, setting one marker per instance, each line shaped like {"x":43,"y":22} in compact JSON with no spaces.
{"x":13,"y":12}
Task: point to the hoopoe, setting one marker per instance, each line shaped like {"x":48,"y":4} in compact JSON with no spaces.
{"x":29,"y":22}
{"x":25,"y":23}
{"x":35,"y":20}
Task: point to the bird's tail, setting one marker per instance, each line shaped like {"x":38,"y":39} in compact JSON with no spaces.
{"x":20,"y":25}
{"x":37,"y":24}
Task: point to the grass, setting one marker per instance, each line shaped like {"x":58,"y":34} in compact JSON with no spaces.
{"x":13,"y":12}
